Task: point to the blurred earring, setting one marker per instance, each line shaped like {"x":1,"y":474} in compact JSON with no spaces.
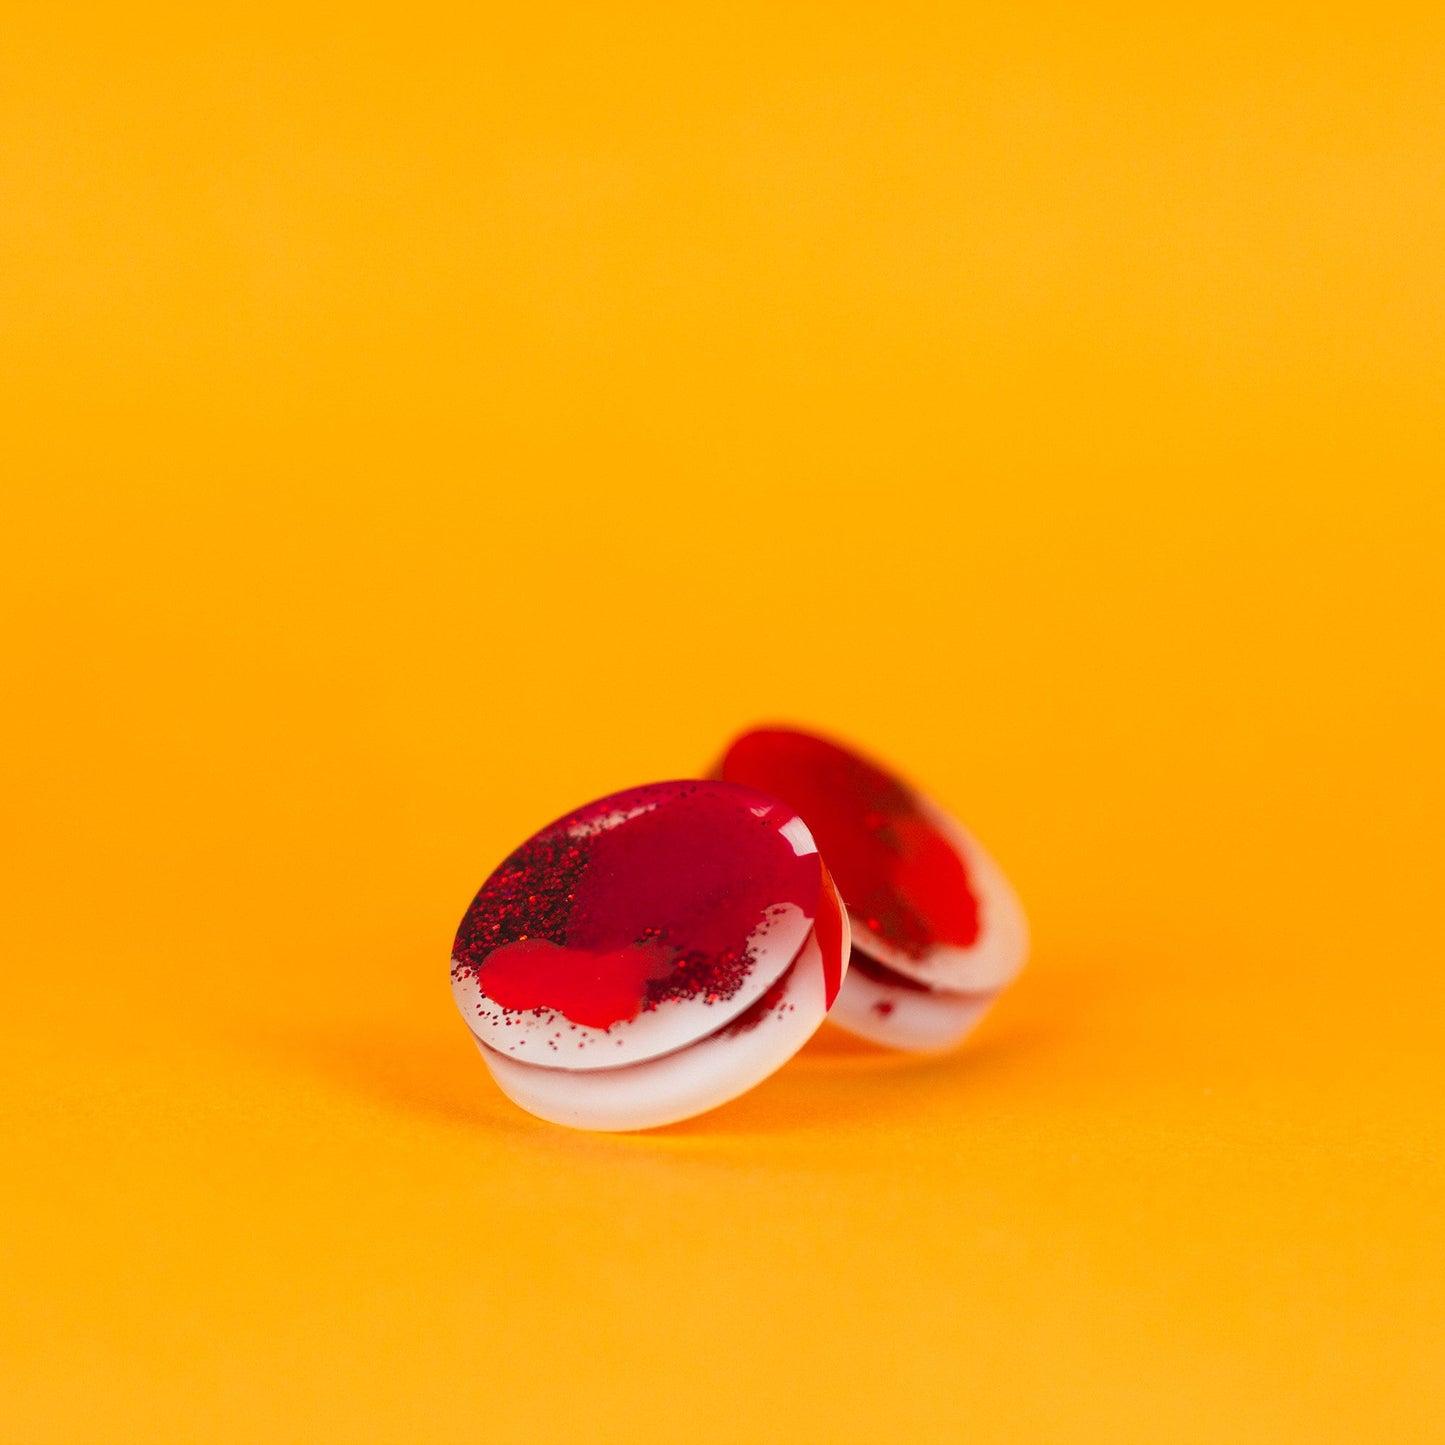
{"x":937,"y":931}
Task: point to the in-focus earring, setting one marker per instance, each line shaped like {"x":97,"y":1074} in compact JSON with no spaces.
{"x":937,"y":930}
{"x":651,"y":955}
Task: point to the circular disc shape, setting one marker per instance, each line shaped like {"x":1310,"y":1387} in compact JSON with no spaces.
{"x":928,"y":906}
{"x":637,"y":925}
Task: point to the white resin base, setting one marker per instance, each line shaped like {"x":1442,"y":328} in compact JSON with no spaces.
{"x":690,"y":1081}
{"x":906,"y":1018}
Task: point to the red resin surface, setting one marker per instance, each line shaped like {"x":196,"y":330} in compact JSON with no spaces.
{"x":829,"y":930}
{"x":644,"y":897}
{"x":899,"y":875}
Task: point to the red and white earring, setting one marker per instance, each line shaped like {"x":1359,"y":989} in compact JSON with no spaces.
{"x":937,"y":930}
{"x":651,"y":955}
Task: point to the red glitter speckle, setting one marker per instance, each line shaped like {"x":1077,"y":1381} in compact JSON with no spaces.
{"x":757,"y":1011}
{"x":635,"y":900}
{"x":883,"y":1008}
{"x":897,"y":873}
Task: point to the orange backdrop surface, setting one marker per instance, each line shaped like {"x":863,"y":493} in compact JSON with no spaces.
{"x":416,"y":423}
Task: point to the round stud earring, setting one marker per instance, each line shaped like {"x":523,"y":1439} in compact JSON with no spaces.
{"x":651,"y":955}
{"x":937,"y":930}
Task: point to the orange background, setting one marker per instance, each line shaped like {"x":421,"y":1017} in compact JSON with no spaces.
{"x":416,"y":424}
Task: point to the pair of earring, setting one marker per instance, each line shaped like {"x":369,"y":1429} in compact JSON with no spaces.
{"x":660,"y":951}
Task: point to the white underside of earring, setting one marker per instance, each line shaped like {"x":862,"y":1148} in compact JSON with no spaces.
{"x":695,"y":1078}
{"x":899,"y":1017}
